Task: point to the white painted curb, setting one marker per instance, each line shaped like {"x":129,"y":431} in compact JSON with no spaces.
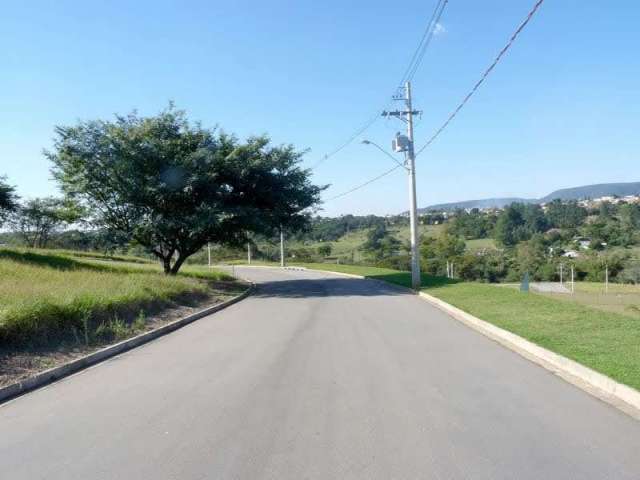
{"x":583,"y":377}
{"x":48,"y":376}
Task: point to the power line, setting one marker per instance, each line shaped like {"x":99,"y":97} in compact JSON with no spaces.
{"x":418,"y":55}
{"x":411,"y":70}
{"x":362,"y":185}
{"x":342,"y":146}
{"x":460,"y":106}
{"x":482,"y":78}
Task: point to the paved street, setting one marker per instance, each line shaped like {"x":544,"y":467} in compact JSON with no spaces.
{"x":317,"y":377}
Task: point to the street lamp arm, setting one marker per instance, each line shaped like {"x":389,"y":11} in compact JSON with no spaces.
{"x":369,"y":142}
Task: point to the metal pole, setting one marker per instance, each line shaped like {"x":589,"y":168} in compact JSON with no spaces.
{"x":572,"y":283}
{"x":249,"y":253}
{"x":209,"y":253}
{"x":413,"y":207}
{"x":281,"y":246}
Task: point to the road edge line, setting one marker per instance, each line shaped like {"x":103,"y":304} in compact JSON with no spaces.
{"x":14,"y":390}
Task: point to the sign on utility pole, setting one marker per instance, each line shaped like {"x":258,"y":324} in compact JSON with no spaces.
{"x":406,"y":145}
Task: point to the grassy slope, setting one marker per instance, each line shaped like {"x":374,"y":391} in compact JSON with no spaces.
{"x":605,"y":341}
{"x":350,"y":243}
{"x":45,"y":293}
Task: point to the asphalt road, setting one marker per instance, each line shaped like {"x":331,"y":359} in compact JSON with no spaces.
{"x":317,"y":377}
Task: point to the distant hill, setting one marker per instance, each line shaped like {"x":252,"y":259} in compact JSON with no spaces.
{"x":485,"y":203}
{"x":576,"y":193}
{"x":594,"y":191}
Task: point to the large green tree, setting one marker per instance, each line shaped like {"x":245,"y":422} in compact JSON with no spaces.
{"x":173,"y":186}
{"x":565,"y":214}
{"x":518,"y":222}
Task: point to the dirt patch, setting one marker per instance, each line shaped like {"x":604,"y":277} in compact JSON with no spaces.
{"x":18,"y":364}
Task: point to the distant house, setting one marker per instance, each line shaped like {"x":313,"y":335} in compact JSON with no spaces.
{"x":583,"y":242}
{"x":571,"y":254}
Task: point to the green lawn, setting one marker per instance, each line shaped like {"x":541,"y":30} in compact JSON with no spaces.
{"x":45,"y":295}
{"x":481,"y":243}
{"x":608,"y":342}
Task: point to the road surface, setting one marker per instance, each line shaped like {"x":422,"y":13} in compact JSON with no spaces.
{"x":317,"y":377}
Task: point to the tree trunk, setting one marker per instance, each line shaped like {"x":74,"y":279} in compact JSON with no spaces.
{"x":166,"y":265}
{"x":178,"y":263}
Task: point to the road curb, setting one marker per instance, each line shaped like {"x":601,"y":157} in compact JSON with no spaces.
{"x":594,"y":383}
{"x":56,"y":373}
{"x":619,"y":395}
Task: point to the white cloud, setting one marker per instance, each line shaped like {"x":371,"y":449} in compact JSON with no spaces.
{"x":439,"y":29}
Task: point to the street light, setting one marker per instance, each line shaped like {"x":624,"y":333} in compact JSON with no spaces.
{"x":369,"y":142}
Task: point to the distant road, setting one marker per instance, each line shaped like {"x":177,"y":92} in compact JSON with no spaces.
{"x":317,"y":377}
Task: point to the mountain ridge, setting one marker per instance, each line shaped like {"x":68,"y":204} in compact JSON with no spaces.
{"x":584,"y":192}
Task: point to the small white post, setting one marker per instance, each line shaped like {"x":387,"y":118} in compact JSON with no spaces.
{"x":209,"y":253}
{"x":606,"y":279}
{"x":572,"y":283}
{"x":561,"y":265}
{"x":281,"y":247}
{"x":248,"y":253}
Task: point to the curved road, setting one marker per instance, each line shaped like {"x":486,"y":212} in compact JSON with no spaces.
{"x":317,"y":377}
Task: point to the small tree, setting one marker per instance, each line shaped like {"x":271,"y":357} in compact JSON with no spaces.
{"x":380,"y":243}
{"x":37,"y":219}
{"x":8,"y":200}
{"x":173,"y":186}
{"x":325,"y":249}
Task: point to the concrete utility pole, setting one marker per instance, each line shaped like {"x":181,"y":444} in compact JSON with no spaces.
{"x":561,"y":265}
{"x":409,"y":150}
{"x":209,"y":253}
{"x":248,"y":253}
{"x":413,"y":204}
{"x":281,"y":246}
{"x":606,"y":279}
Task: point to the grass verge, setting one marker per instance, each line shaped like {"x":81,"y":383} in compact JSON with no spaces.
{"x":47,"y":297}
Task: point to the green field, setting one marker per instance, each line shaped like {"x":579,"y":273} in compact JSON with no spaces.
{"x":46,"y":296}
{"x":618,"y":298}
{"x":349,"y":245}
{"x":606,"y":341}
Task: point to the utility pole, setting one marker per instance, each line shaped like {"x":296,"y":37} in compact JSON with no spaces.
{"x":561,"y":265}
{"x":248,"y":253}
{"x":408,"y":148}
{"x":209,"y":253}
{"x":606,"y":278}
{"x":281,"y":246}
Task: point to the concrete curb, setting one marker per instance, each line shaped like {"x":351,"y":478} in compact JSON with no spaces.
{"x":597,"y":384}
{"x":48,"y":376}
{"x":617,"y":394}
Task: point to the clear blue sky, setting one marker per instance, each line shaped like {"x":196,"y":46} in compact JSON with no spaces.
{"x":562,"y":109}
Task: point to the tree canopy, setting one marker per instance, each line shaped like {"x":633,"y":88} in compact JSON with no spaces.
{"x":173,"y":186}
